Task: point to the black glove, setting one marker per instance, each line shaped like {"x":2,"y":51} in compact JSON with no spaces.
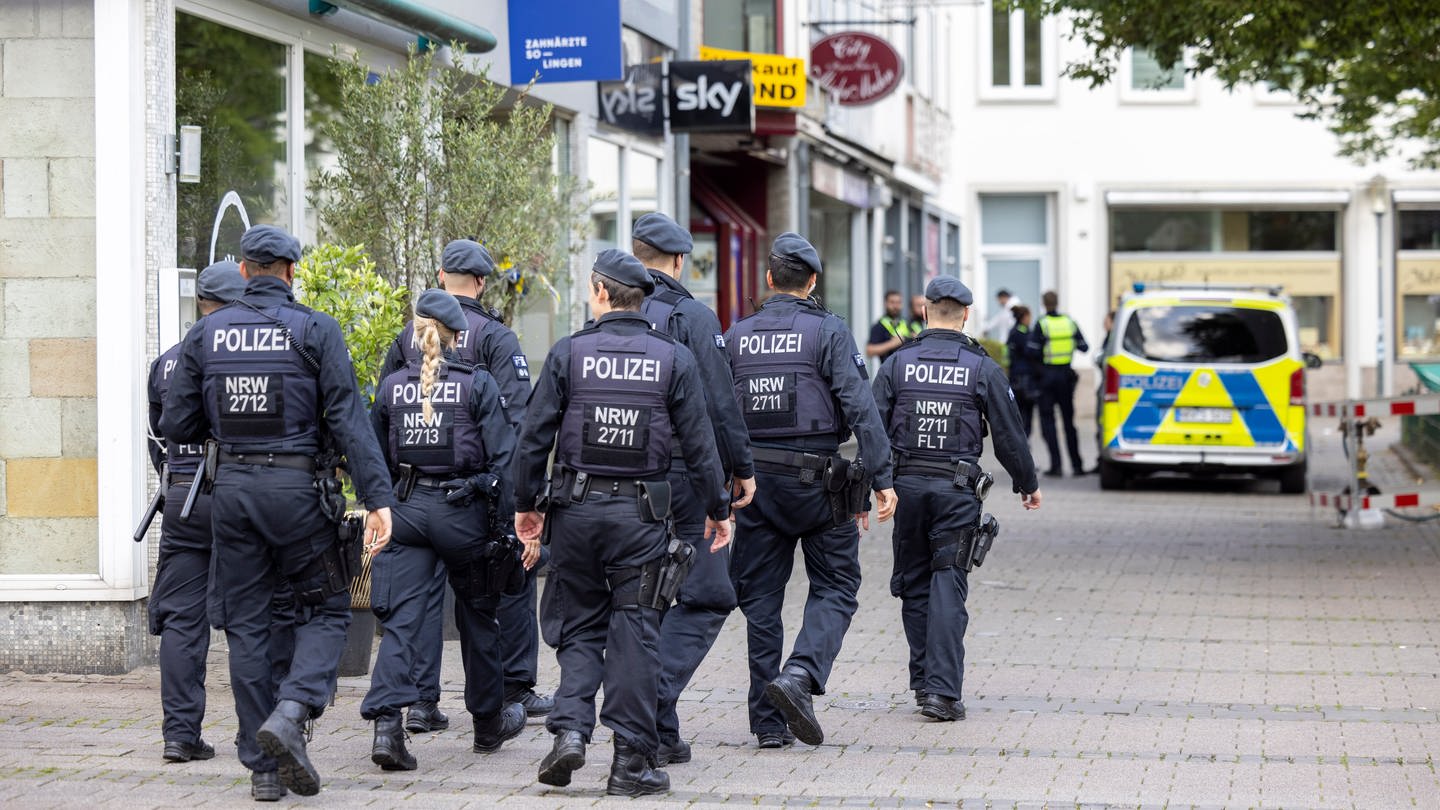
{"x":461,"y":491}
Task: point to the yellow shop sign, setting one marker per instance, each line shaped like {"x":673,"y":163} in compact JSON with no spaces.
{"x":779,"y":80}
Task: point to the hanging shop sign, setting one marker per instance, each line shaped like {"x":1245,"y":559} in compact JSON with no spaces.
{"x":779,"y":80}
{"x":858,"y":68}
{"x":565,"y":41}
{"x":636,"y":104}
{"x":711,"y":97}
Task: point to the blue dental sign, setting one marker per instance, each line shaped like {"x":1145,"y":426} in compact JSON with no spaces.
{"x":565,"y":41}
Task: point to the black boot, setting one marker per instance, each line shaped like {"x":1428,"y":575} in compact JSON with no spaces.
{"x":536,"y":705}
{"x":425,"y":716}
{"x":566,"y":757}
{"x":631,"y":774}
{"x":943,"y":708}
{"x":672,"y":752}
{"x":790,"y":693}
{"x":492,"y":731}
{"x":266,"y":787}
{"x":176,"y":751}
{"x":283,"y":739}
{"x":389,"y":749}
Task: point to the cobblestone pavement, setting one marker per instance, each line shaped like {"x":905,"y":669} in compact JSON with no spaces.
{"x":1183,"y":643}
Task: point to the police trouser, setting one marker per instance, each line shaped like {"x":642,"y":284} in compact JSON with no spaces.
{"x":519,"y":638}
{"x":594,"y":641}
{"x":177,"y":613}
{"x":689,"y":628}
{"x":786,"y":510}
{"x":1025,"y":396}
{"x":428,"y":530}
{"x":1057,"y":389}
{"x":269,"y":529}
{"x":932,"y":513}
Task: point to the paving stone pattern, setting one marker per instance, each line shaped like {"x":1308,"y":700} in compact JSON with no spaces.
{"x":1184,"y":643}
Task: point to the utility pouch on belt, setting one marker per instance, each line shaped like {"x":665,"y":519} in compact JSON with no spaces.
{"x":405,"y":484}
{"x":654,"y":501}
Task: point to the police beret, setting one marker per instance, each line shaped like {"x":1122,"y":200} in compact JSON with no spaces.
{"x":949,"y":287}
{"x":467,"y":256}
{"x":796,"y":248}
{"x":617,"y":265}
{"x":442,"y":306}
{"x":265,"y":244}
{"x":663,"y":234}
{"x":221,"y":282}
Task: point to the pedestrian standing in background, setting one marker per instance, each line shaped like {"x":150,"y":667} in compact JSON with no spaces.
{"x":891,"y":331}
{"x":1053,"y":342}
{"x":1024,"y":376}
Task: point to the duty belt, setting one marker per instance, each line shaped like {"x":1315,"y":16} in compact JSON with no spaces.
{"x":289,"y":461}
{"x":810,"y":466}
{"x":575,"y":486}
{"x":967,"y":471}
{"x":181,"y":480}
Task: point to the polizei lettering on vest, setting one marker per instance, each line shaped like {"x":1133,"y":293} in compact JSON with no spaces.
{"x":937,"y":375}
{"x":626,"y":368}
{"x":607,"y":415}
{"x":410,"y":393}
{"x":250,"y":339}
{"x":777,"y":343}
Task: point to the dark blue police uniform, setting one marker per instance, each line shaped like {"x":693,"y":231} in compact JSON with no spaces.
{"x":269,"y":379}
{"x":442,"y":519}
{"x":611,"y":401}
{"x":937,"y":395}
{"x":488,"y":345}
{"x":1024,"y":374}
{"x":803,"y":390}
{"x":689,"y":629}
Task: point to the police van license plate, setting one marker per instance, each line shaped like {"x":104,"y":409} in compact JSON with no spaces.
{"x":1209,"y":416}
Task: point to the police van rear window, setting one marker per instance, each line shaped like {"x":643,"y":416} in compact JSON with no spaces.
{"x":1201,"y":333}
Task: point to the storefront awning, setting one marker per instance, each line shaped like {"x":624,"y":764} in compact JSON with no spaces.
{"x":422,"y":19}
{"x":1417,"y":196}
{"x":1256,"y":197}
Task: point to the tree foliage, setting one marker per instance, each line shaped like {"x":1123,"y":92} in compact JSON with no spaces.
{"x":1364,"y":67}
{"x":428,"y":152}
{"x":342,"y":283}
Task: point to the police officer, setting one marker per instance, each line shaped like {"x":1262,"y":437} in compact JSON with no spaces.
{"x":448,"y":443}
{"x":612,"y":400}
{"x":487,"y":344}
{"x":802,"y":389}
{"x":689,"y":629}
{"x":936,"y":396}
{"x":177,"y":602}
{"x":1053,"y":342}
{"x":272,"y":382}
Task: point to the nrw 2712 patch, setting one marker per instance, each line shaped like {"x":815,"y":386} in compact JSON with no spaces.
{"x":522,"y":368}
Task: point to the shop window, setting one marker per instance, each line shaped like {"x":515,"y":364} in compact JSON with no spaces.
{"x":1161,"y":231}
{"x":1420,"y":230}
{"x":603,"y":165}
{"x":740,"y":25}
{"x":642,"y":179}
{"x":1417,"y":284}
{"x":1021,"y":54}
{"x":1420,"y":325}
{"x":322,"y":114}
{"x":1158,"y":230}
{"x":1293,"y":230}
{"x":234,"y":86}
{"x":1314,"y":316}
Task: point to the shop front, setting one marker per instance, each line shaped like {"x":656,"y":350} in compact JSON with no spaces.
{"x":1417,"y":281}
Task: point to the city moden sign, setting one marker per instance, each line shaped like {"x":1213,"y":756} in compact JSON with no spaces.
{"x":858,"y":68}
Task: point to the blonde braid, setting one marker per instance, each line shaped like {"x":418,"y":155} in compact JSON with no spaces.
{"x":431,"y":334}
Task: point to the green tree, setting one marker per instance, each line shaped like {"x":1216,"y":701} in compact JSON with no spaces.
{"x":1364,"y":67}
{"x":428,"y":152}
{"x":342,"y":283}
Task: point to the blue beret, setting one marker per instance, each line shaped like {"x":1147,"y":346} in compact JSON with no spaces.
{"x":221,"y":282}
{"x":949,"y":287}
{"x":467,"y":256}
{"x":442,"y":306}
{"x":663,"y":233}
{"x":617,"y":265}
{"x":265,"y":244}
{"x":796,"y":248}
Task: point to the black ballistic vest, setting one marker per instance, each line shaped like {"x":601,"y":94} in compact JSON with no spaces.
{"x":775,"y":355}
{"x":450,"y":442}
{"x":659,"y":307}
{"x":468,"y":342}
{"x":257,"y":388}
{"x":617,"y":422}
{"x":936,"y":416}
{"x":183,"y":459}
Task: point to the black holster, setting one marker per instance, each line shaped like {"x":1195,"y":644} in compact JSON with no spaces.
{"x":655,"y":584}
{"x":967,"y":549}
{"x":332,"y":495}
{"x":504,"y":571}
{"x":835,"y":481}
{"x":331,"y":572}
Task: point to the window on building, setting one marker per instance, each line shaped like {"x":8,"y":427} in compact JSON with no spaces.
{"x":1420,"y":230}
{"x":740,"y":25}
{"x":1191,"y":230}
{"x":322,"y":112}
{"x":1021,"y":54}
{"x":1417,"y":284}
{"x":1016,"y":253}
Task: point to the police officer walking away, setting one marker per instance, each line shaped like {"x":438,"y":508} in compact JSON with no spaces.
{"x":689,"y":629}
{"x":487,"y":344}
{"x":449,"y":445}
{"x":612,"y":400}
{"x":182,"y":574}
{"x":272,"y":382}
{"x":1053,"y":341}
{"x":936,"y":396}
{"x":802,"y":389}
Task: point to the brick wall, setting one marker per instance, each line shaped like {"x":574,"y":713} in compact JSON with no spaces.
{"x":47,"y":270}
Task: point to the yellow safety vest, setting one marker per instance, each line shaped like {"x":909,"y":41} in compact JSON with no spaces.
{"x":902,"y":329}
{"x":1059,"y":333}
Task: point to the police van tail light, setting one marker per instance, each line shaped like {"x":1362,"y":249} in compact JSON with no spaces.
{"x":1297,"y":387}
{"x":1112,"y":384}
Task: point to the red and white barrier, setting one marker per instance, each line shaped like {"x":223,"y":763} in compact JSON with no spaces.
{"x":1400,"y":500}
{"x":1362,"y":408}
{"x":1353,"y":511}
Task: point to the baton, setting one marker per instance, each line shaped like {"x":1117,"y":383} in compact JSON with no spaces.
{"x":156,"y":504}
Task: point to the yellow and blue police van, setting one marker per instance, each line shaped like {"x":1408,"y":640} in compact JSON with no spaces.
{"x":1203,"y":380}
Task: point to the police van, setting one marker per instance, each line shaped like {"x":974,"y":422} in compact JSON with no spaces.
{"x":1204,"y":380}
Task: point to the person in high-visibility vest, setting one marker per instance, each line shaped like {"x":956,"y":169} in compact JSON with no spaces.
{"x":1052,"y":342}
{"x":892,"y":330}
